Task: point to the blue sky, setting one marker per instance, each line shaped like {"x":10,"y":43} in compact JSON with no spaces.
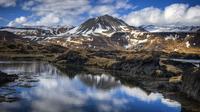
{"x":74,"y":12}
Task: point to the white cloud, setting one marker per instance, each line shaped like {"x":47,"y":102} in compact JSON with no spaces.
{"x":110,"y":8}
{"x":27,"y":5}
{"x":61,"y":7}
{"x":7,"y":3}
{"x":145,"y":16}
{"x":174,"y":14}
{"x":18,"y":21}
{"x":49,"y":19}
{"x":193,"y":15}
{"x":123,"y":4}
{"x":71,"y":12}
{"x":102,"y":10}
{"x":74,"y":12}
{"x":54,"y":12}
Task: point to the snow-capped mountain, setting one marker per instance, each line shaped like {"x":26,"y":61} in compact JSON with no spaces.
{"x":171,"y":28}
{"x":103,"y":25}
{"x":107,"y":32}
{"x":36,"y":33}
{"x":93,"y":34}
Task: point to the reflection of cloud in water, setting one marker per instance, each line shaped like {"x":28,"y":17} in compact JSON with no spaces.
{"x":56,"y":92}
{"x":59,"y":95}
{"x":143,"y":96}
{"x":54,"y":95}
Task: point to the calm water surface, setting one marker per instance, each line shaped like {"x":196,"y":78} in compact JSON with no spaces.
{"x":41,"y":87}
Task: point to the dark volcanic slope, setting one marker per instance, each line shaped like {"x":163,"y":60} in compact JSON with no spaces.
{"x":104,"y":23}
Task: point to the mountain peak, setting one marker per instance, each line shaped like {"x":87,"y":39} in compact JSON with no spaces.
{"x":105,"y":24}
{"x":107,"y":19}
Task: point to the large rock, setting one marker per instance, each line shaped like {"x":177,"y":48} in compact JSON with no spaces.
{"x":72,"y":57}
{"x":191,"y":84}
{"x":5,"y":78}
{"x":137,"y":66}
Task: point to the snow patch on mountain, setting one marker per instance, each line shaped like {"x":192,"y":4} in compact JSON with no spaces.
{"x":187,"y":44}
{"x":135,"y":42}
{"x":171,"y":37}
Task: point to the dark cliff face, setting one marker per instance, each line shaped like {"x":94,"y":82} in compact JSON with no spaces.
{"x":191,"y":84}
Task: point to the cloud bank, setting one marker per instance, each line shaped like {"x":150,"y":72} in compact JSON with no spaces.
{"x":180,"y":14}
{"x":18,"y":21}
{"x":74,"y":12}
{"x":69,"y":12}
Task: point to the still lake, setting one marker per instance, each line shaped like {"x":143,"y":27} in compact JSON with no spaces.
{"x":42,"y":87}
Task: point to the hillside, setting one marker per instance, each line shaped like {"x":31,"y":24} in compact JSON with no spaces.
{"x":107,"y":32}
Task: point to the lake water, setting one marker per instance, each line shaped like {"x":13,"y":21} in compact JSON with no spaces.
{"x":42,"y":87}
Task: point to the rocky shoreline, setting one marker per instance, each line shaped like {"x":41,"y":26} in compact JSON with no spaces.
{"x":148,"y":83}
{"x":153,"y":71}
{"x":159,"y":75}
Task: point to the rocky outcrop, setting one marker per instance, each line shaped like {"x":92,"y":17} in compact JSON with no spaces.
{"x":191,"y":84}
{"x":137,"y":66}
{"x":142,"y":63}
{"x":5,"y":78}
{"x":72,"y":57}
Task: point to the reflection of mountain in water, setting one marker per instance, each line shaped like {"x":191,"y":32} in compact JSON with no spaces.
{"x":56,"y":92}
{"x":27,"y":67}
{"x":103,"y":81}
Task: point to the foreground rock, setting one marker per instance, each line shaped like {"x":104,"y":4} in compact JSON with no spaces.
{"x":191,"y":84}
{"x":5,"y":78}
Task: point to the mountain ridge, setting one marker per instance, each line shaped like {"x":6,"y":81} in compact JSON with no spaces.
{"x":107,"y":32}
{"x":171,"y":28}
